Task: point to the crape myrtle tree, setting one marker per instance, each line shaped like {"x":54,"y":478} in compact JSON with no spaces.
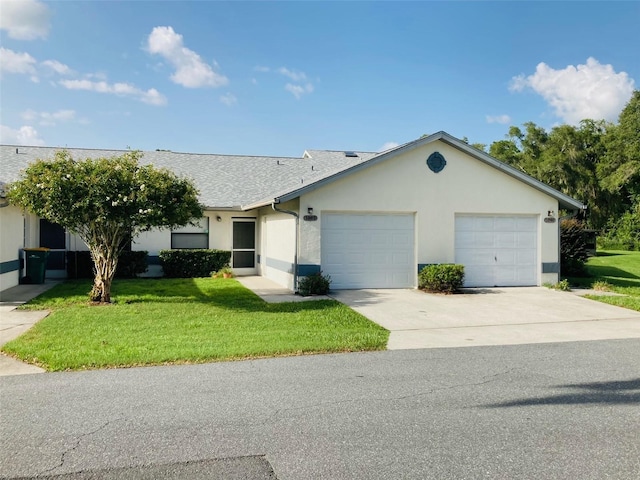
{"x":106,"y":202}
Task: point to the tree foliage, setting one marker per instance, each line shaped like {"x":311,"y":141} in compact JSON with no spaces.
{"x":596,"y":162}
{"x":106,"y":202}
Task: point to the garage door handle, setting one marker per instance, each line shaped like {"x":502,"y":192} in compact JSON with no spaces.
{"x":495,"y":259}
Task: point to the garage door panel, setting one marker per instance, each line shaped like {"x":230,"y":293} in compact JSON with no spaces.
{"x":504,"y":224}
{"x":526,"y":224}
{"x":402,"y":240}
{"x":526,"y":240}
{"x":368,"y":250}
{"x":401,"y":259}
{"x":497,"y":250}
{"x":484,"y":239}
{"x":526,"y":257}
{"x":483,"y":224}
{"x":506,"y":240}
{"x":477,"y":276}
{"x":505,"y":257}
{"x":506,"y":276}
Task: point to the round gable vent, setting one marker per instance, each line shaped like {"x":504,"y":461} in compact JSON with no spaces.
{"x":436,"y":162}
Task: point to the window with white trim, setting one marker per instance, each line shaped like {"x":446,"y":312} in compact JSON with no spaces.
{"x":191,"y":236}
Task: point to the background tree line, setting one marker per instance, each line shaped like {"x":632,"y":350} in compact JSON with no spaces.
{"x":596,"y":162}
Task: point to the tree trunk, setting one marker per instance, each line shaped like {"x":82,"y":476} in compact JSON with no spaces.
{"x":105,"y":263}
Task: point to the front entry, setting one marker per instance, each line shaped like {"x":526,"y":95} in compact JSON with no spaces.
{"x":243,"y":254}
{"x":54,"y":237}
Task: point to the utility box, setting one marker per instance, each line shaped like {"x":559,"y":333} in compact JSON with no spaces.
{"x":36,"y":259}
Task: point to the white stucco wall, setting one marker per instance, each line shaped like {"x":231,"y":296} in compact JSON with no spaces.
{"x":11,"y":242}
{"x":405,"y":184}
{"x":277,"y":244}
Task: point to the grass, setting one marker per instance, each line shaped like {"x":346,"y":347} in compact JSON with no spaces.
{"x":169,"y":321}
{"x":616,"y":271}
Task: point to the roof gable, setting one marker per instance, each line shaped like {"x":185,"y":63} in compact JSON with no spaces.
{"x":564,"y":200}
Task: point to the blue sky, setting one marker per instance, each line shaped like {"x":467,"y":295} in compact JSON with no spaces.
{"x":276,"y":78}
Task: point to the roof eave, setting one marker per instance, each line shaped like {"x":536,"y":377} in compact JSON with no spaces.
{"x":229,"y":209}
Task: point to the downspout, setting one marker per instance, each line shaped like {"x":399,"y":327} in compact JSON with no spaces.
{"x":295,"y":253}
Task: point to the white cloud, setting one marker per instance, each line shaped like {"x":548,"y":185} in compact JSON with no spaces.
{"x":298,"y":90}
{"x":191,"y":71}
{"x":25,"y":135}
{"x":292,"y":74}
{"x":388,"y":146}
{"x":58,"y":67}
{"x":151,"y":96}
{"x":49,"y":118}
{"x":302,"y":86}
{"x":501,"y":119}
{"x":25,"y":19}
{"x":229,"y":99}
{"x":14,"y":62}
{"x":592,"y":90}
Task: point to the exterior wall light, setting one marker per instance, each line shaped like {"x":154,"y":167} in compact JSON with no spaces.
{"x":310,"y":210}
{"x":218,"y":218}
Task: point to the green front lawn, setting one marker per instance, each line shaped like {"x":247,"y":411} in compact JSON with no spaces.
{"x":161,"y":321}
{"x":621,"y":270}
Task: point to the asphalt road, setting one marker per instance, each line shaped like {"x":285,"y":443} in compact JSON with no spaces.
{"x":545,"y":411}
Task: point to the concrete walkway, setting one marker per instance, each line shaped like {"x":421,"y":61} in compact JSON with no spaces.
{"x":272,"y":292}
{"x":14,"y":323}
{"x":493,"y":316}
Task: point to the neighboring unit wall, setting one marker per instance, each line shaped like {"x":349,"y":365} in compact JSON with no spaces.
{"x":278,"y":244}
{"x":11,"y":242}
{"x":405,"y":184}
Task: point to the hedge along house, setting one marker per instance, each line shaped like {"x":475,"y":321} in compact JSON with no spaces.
{"x":369,"y":220}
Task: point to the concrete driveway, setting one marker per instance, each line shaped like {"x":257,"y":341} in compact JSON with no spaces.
{"x":495,"y":316}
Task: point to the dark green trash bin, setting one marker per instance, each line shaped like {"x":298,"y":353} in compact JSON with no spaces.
{"x":36,"y":263}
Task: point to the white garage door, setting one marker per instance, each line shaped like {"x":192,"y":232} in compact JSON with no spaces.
{"x":497,"y":250}
{"x":368,"y":250}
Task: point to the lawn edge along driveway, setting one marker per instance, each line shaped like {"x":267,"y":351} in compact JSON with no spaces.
{"x":174,"y":321}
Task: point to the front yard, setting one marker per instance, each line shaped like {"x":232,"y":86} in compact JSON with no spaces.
{"x":169,"y":321}
{"x":617,"y":271}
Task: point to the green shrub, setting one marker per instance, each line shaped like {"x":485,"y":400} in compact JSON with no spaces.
{"x":193,"y":263}
{"x":573,"y":247}
{"x":315,"y":284}
{"x":79,"y":264}
{"x":445,"y":277}
{"x":130,"y":264}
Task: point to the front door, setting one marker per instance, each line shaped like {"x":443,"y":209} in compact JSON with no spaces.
{"x":243,"y":254}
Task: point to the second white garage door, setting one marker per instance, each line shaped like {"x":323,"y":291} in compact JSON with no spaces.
{"x":368,"y":250}
{"x":497,"y":250}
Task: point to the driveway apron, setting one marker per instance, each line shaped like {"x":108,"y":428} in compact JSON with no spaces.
{"x":493,"y":316}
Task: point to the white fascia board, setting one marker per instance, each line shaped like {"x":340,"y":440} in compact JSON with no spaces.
{"x":222,"y":209}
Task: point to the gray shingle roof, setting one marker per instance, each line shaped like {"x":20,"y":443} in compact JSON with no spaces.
{"x":242,"y":182}
{"x":224,"y":181}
